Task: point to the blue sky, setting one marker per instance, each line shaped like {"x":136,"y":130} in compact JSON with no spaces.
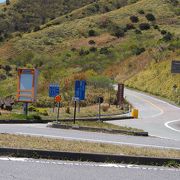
{"x":2,"y":1}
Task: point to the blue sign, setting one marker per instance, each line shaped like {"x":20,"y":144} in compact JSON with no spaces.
{"x":80,"y":89}
{"x":54,"y":90}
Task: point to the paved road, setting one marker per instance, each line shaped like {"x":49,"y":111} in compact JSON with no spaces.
{"x":31,"y":169}
{"x":159,"y":118}
{"x":42,"y":130}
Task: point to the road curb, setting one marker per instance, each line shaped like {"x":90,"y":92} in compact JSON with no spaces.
{"x":85,"y":128}
{"x":65,"y":120}
{"x":73,"y":156}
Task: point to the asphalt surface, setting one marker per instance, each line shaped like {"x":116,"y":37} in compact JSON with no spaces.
{"x":159,"y":118}
{"x":31,"y":169}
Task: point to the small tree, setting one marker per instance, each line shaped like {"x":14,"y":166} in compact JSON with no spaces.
{"x":134,"y":19}
{"x":150,"y":17}
{"x":7,"y":2}
{"x":144,"y":26}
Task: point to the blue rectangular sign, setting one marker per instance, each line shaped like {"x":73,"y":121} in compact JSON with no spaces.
{"x":54,"y":90}
{"x":80,"y":89}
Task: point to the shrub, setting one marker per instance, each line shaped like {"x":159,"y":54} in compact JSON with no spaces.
{"x":34,"y":117}
{"x":92,"y":33}
{"x":134,"y":19}
{"x":104,"y":50}
{"x":163,"y":32}
{"x":37,"y":28}
{"x":138,"y":51}
{"x":150,"y":17}
{"x":83,"y":52}
{"x":141,"y":11}
{"x":156,"y":27}
{"x":118,"y":32}
{"x":92,"y":42}
{"x":129,"y":27}
{"x":93,"y":49}
{"x":167,"y":37}
{"x":144,"y":26}
{"x":137,"y":31}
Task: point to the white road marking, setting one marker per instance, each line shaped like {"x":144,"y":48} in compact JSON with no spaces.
{"x":101,"y":165}
{"x":154,"y":98}
{"x":152,"y":104}
{"x":100,"y":141}
{"x":170,"y":122}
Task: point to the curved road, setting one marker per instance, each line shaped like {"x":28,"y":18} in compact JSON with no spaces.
{"x":159,"y":118}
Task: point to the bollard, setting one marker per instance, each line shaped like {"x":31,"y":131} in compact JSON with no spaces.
{"x":135,"y":113}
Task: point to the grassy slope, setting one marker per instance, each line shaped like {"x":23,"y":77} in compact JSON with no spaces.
{"x":74,"y":33}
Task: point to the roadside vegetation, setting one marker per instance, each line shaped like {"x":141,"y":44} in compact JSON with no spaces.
{"x":18,"y":141}
{"x":104,"y":41}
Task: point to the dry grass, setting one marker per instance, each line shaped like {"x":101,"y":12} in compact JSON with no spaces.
{"x":16,"y":141}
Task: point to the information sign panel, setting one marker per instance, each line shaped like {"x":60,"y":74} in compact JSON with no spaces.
{"x":27,"y":85}
{"x":175,"y":67}
{"x":80,"y":89}
{"x":54,"y":90}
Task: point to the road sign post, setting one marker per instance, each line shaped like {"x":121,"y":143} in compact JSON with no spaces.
{"x":27,"y":87}
{"x":58,"y":100}
{"x":100,"y":101}
{"x":80,"y":89}
{"x":54,"y":90}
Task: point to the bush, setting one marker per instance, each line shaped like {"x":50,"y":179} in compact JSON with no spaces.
{"x":144,"y":26}
{"x":137,"y":31}
{"x":129,"y":27}
{"x":156,"y":27}
{"x":141,"y":11}
{"x":37,"y":28}
{"x":34,"y":117}
{"x":92,"y":42}
{"x":168,"y":37}
{"x":134,"y":19}
{"x":92,"y":33}
{"x":104,"y":50}
{"x":163,"y":32}
{"x":118,"y":32}
{"x":150,"y":17}
{"x":137,"y":51}
{"x":93,"y":49}
{"x":83,"y":52}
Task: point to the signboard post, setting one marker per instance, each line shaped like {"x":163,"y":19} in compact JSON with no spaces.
{"x":100,"y":101}
{"x":54,"y":90}
{"x":58,"y":100}
{"x":120,"y":95}
{"x":27,"y":87}
{"x":80,"y":89}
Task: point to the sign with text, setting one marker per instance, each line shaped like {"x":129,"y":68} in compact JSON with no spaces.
{"x":27,"y":85}
{"x":120,"y":94}
{"x":175,"y":67}
{"x":54,"y":90}
{"x":80,"y":89}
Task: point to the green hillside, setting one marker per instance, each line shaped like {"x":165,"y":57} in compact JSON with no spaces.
{"x":124,"y":40}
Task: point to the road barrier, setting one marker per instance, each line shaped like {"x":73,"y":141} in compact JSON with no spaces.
{"x":135,"y":113}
